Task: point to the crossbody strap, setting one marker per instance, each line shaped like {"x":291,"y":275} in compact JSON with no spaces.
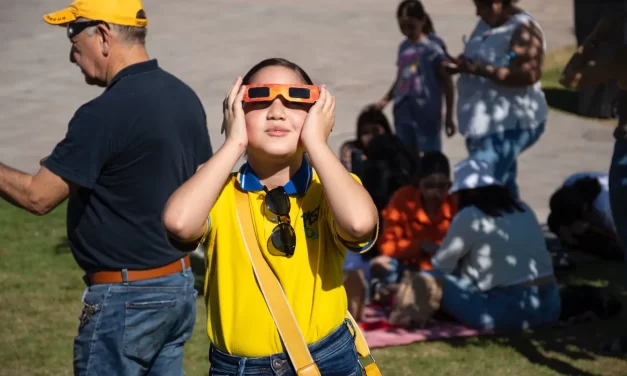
{"x":275,"y":298}
{"x":365,"y":357}
{"x":273,"y":293}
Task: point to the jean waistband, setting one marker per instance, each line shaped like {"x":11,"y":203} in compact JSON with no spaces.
{"x":328,"y":345}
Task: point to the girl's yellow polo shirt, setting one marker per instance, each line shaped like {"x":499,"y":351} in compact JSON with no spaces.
{"x":239,"y":322}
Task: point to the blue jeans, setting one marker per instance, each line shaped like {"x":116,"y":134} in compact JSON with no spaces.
{"x":395,"y":274}
{"x":505,"y":308}
{"x":418,"y":136}
{"x":335,"y":355}
{"x":501,"y":150}
{"x":136,"y":328}
{"x":618,"y":194}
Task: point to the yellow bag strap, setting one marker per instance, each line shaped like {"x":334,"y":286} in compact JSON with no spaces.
{"x":275,"y":298}
{"x":273,"y":294}
{"x":365,"y":357}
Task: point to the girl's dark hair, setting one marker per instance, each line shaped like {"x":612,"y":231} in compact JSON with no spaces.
{"x":371,"y":116}
{"x":277,"y":62}
{"x":428,"y":26}
{"x":411,"y":9}
{"x":493,"y":200}
{"x":434,"y":162}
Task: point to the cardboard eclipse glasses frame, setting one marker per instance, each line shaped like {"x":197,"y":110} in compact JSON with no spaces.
{"x":292,"y":93}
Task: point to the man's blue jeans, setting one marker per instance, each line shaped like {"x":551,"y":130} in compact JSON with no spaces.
{"x":136,"y":328}
{"x":618,"y":194}
{"x":501,"y":150}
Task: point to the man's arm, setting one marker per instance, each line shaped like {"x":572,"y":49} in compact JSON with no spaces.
{"x":38,"y":194}
{"x":590,"y":65}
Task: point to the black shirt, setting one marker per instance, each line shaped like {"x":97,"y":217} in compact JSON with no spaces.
{"x":127,"y":151}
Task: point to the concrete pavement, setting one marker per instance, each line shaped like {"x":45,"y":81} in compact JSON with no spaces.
{"x":350,"y":46}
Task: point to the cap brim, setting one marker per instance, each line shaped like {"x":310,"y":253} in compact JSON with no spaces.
{"x":61,"y":17}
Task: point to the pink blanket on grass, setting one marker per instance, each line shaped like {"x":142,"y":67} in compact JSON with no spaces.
{"x":379,"y":333}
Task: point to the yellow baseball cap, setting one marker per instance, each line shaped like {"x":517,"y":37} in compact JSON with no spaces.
{"x":119,"y":12}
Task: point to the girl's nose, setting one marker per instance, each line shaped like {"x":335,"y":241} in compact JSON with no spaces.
{"x":276,"y":111}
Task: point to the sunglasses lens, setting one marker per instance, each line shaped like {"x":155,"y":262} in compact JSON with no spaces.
{"x":258,"y":92}
{"x":75,"y":28}
{"x":284,"y":239}
{"x":298,"y":92}
{"x":278,"y":202}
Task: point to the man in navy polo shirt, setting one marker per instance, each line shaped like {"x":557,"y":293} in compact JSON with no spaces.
{"x":124,"y":154}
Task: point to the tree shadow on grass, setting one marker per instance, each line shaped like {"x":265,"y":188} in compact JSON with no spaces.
{"x":557,"y":348}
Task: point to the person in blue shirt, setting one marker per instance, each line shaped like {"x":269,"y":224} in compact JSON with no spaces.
{"x":581,"y":215}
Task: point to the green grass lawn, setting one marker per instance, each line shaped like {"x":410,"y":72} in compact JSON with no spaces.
{"x":558,"y":97}
{"x":41,"y":288}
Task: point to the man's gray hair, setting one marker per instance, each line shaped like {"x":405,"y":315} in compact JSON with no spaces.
{"x":127,"y":34}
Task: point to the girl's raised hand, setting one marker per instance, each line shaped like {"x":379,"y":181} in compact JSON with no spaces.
{"x":233,"y":123}
{"x":320,"y":120}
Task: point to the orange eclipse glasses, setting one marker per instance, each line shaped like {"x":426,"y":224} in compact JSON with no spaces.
{"x":292,"y":93}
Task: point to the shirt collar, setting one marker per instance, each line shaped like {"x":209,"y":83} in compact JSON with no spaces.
{"x":143,"y":67}
{"x":298,"y":184}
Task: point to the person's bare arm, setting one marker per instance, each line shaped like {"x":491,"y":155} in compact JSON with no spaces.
{"x":37,"y":194}
{"x":525,"y":66}
{"x":185,"y":213}
{"x":449,"y":97}
{"x":380,"y":105}
{"x":591,"y":66}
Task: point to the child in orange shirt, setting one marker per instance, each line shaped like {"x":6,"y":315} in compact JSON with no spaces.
{"x":414,"y":222}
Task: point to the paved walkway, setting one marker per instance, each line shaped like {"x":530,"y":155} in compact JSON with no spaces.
{"x":350,"y":46}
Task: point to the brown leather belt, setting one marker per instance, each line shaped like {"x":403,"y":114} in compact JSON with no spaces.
{"x":98,"y":278}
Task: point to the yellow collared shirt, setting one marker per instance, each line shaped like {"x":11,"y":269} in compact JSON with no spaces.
{"x":239,"y":321}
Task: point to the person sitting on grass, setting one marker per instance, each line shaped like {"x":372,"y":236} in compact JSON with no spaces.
{"x":495,"y":270}
{"x":414,"y":224}
{"x":581,"y":216}
{"x":370,"y":124}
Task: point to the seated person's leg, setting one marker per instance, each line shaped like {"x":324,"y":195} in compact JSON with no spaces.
{"x":462,"y":300}
{"x":386,"y":269}
{"x":386,"y":272}
{"x":505,"y":308}
{"x":356,"y":288}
